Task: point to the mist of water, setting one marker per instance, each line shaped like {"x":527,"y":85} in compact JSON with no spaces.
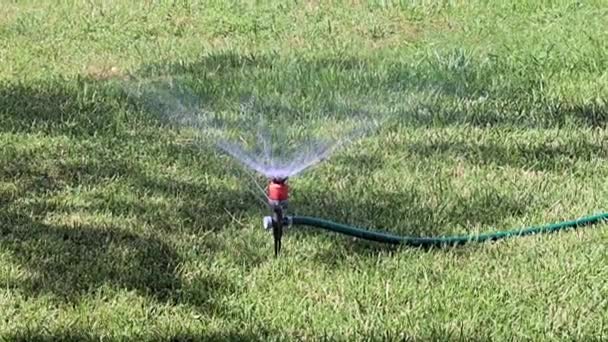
{"x":269,"y":137}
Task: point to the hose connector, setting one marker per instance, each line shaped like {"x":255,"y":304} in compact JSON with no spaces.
{"x":269,"y":221}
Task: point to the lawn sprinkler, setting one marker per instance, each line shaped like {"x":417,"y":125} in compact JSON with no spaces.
{"x":278,"y":196}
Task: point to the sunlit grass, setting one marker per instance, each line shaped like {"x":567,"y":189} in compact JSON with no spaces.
{"x":115,"y":225}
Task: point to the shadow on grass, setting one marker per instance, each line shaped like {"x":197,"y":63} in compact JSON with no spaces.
{"x":241,"y":336}
{"x":80,"y":257}
{"x":84,"y":335}
{"x":70,"y":261}
{"x":456,"y":88}
{"x":88,"y":107}
{"x":593,"y":114}
{"x":435,"y":334}
{"x":540,"y":158}
{"x":81,"y":107}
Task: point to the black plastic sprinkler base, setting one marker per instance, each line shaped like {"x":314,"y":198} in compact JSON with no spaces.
{"x":444,"y":240}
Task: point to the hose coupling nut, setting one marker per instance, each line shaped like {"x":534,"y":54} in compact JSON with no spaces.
{"x":269,"y":221}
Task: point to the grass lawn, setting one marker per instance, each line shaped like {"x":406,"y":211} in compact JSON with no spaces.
{"x":111,"y":227}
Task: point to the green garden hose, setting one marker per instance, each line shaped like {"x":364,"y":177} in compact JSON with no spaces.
{"x":443,"y":240}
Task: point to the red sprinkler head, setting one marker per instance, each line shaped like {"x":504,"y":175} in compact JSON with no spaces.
{"x":278,"y":191}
